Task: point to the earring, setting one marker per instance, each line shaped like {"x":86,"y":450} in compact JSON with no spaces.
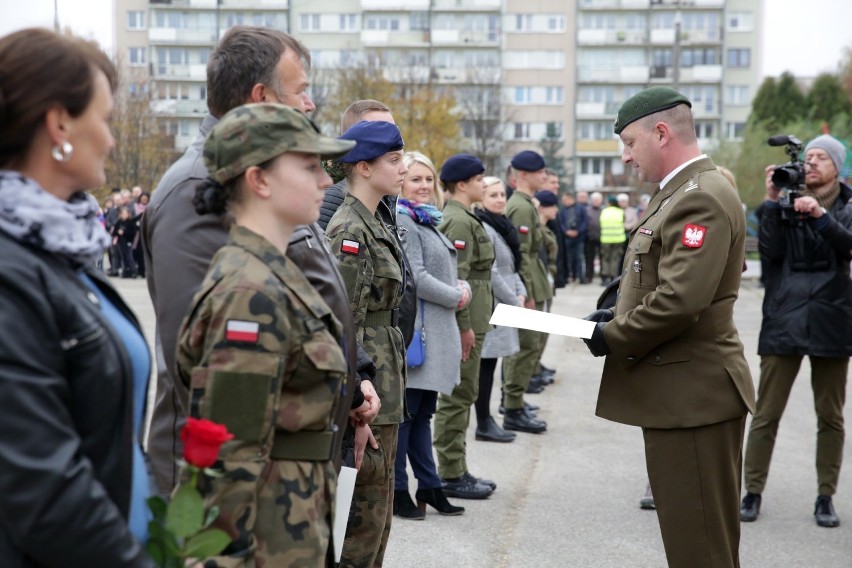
{"x":62,"y":153}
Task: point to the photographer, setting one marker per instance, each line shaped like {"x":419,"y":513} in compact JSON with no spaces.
{"x":807,"y":310}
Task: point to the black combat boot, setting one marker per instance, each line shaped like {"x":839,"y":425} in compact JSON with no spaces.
{"x":465,"y":487}
{"x":824,"y":512}
{"x":518,"y":419}
{"x":750,"y":509}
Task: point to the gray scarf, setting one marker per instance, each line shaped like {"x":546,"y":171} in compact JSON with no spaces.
{"x":33,"y":216}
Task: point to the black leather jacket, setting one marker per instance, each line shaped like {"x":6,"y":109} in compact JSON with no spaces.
{"x":66,"y":427}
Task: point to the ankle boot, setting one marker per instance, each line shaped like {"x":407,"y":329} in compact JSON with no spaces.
{"x":437,"y":499}
{"x":489,"y":431}
{"x":403,"y":506}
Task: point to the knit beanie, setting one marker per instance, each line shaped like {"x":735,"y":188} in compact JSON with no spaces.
{"x":832,"y":146}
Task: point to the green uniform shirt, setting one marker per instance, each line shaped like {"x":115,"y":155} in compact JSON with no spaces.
{"x":475,"y":258}
{"x":521,"y":212}
{"x":371,"y":266}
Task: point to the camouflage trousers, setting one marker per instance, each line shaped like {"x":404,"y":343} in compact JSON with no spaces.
{"x":453,"y":416}
{"x":372,"y":504}
{"x":518,"y":368}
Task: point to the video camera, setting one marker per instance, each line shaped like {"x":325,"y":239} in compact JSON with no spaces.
{"x":789,"y":177}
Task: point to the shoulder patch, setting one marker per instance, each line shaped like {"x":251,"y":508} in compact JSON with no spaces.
{"x":350,"y":247}
{"x":523,"y":229}
{"x":242,"y":331}
{"x":693,"y":235}
{"x":459,"y":244}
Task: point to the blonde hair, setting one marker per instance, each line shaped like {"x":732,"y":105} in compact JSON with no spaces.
{"x":728,"y":174}
{"x":488,"y":181}
{"x":411,"y":158}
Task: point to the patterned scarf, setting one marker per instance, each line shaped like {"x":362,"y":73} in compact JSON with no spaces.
{"x":33,"y":216}
{"x":422,"y":213}
{"x":826,"y":198}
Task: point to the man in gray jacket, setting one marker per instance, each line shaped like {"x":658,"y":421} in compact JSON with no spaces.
{"x":250,"y":64}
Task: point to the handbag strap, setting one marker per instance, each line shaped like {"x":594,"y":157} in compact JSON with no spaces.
{"x":422,"y":317}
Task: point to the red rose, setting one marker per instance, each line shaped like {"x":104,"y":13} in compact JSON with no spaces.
{"x":202,"y":440}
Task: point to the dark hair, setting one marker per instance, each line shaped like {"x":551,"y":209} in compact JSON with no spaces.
{"x":40,"y":70}
{"x":356,"y":111}
{"x":246,"y":56}
{"x":212,"y":198}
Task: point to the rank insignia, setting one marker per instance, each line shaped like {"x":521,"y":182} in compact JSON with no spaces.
{"x":646,"y":231}
{"x":350,"y":247}
{"x":242,"y":331}
{"x":693,"y":235}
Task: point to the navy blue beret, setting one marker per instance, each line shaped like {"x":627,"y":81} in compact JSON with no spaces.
{"x":546,"y":198}
{"x":528,"y":161}
{"x":461,"y":167}
{"x":375,"y":138}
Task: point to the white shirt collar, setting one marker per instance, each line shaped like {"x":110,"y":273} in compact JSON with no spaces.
{"x":675,"y":171}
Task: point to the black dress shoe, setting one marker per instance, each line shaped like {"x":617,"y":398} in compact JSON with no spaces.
{"x":465,"y":487}
{"x":491,"y":432}
{"x":750,"y":508}
{"x":824,"y":512}
{"x":404,"y":507}
{"x":437,"y":499}
{"x":536,"y":386}
{"x":647,"y":500}
{"x":518,"y":419}
{"x":486,"y":482}
{"x":530,"y":408}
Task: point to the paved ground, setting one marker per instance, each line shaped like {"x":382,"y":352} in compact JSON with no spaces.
{"x":569,"y":497}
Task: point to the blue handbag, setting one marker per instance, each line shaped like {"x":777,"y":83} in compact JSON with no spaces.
{"x":416,"y":352}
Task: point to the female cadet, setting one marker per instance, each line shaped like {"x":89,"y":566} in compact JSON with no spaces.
{"x":260,"y":349}
{"x":370,"y":263}
{"x":462,"y":175}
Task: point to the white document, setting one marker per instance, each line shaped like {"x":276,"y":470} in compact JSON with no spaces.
{"x":523,"y":318}
{"x":342,"y":503}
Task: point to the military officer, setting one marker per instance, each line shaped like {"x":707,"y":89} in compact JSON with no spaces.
{"x":462,"y":178}
{"x":547,"y":210}
{"x":371,"y":264}
{"x":530,"y":176}
{"x":675,"y":364}
{"x":260,"y":351}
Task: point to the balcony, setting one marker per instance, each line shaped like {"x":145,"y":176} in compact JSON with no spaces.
{"x":611,"y":37}
{"x":183,"y":107}
{"x":418,"y":74}
{"x":631,"y":74}
{"x":458,"y":38}
{"x":395,"y":5}
{"x":598,"y":146}
{"x":614,"y":4}
{"x":596,"y":110}
{"x":687,"y":4}
{"x":694,"y":74}
{"x":467,"y":5}
{"x":387,"y":38}
{"x":174,"y":36}
{"x":193,"y":72}
{"x":223,"y":4}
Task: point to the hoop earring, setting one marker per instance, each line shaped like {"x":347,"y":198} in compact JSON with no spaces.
{"x":62,"y":153}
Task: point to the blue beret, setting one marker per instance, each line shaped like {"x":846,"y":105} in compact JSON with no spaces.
{"x":461,"y":167}
{"x":374,"y":139}
{"x":528,"y":161}
{"x":546,"y":198}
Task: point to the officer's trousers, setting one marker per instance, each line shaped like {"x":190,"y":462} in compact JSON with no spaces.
{"x":372,"y":503}
{"x":695,"y":476}
{"x":453,"y":416}
{"x":828,"y":380}
{"x":518,"y":368}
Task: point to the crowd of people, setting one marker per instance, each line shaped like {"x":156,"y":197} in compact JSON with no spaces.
{"x":347,"y":324}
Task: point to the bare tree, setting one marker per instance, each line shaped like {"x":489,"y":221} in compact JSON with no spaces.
{"x":484,"y":115}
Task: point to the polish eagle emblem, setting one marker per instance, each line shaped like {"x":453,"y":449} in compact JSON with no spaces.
{"x":693,"y":235}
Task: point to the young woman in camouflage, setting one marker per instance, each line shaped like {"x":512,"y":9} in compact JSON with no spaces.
{"x":370,"y":263}
{"x":260,"y":349}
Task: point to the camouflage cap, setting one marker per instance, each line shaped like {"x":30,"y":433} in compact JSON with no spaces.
{"x":254,"y":133}
{"x":646,"y":102}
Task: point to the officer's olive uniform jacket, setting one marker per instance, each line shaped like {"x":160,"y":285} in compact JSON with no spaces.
{"x":370,"y":263}
{"x":260,"y":352}
{"x":521,"y":212}
{"x":475,"y":259}
{"x":677,"y":361}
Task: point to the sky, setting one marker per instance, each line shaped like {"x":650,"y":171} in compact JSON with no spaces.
{"x":806,"y":37}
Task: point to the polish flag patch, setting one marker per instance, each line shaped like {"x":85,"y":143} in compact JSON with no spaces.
{"x":242,"y":331}
{"x":693,"y":235}
{"x":350,"y":247}
{"x":523,"y":229}
{"x":459,"y":244}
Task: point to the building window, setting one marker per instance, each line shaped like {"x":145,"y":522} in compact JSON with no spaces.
{"x":554,"y":95}
{"x":418,"y":21}
{"x":735,"y":130}
{"x":591,"y":165}
{"x":737,"y":95}
{"x":523,"y":95}
{"x":600,"y":130}
{"x":135,"y":20}
{"x":698,"y":56}
{"x":203,"y":55}
{"x":704,"y":129}
{"x":739,"y":57}
{"x":522,"y":131}
{"x":309,"y":22}
{"x":523,"y":22}
{"x":349,"y":22}
{"x":137,"y":56}
{"x":555,"y":23}
{"x":740,"y":22}
{"x":234,"y":20}
{"x":381,"y":23}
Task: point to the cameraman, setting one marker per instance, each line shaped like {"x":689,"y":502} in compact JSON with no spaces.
{"x":807,"y":310}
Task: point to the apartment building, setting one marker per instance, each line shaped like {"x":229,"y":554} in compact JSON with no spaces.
{"x":520,"y":69}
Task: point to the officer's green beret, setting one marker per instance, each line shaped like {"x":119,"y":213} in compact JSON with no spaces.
{"x":255,"y":133}
{"x":649,"y":101}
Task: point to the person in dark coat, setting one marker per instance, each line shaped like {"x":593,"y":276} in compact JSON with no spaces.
{"x":807,"y":310}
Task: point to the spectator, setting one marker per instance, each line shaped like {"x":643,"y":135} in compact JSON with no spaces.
{"x":574,"y":223}
{"x":592,"y":246}
{"x":612,"y":240}
{"x":123,"y":236}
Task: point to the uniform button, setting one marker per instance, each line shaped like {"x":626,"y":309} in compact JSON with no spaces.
{"x":658,"y":358}
{"x":631,"y":357}
{"x":334,"y":428}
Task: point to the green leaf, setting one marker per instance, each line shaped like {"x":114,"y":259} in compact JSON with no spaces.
{"x":156,"y":553}
{"x":162,"y":538}
{"x":186,"y":512}
{"x":207,"y":543}
{"x":212,"y":515}
{"x":158,"y":507}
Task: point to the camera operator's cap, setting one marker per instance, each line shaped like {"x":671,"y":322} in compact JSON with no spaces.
{"x":832,"y":146}
{"x":528,"y":161}
{"x":460,"y":167}
{"x":375,"y":138}
{"x":648,"y":101}
{"x":545,"y":198}
{"x":255,"y":133}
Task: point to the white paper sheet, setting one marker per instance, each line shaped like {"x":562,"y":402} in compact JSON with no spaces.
{"x":342,"y":503}
{"x":523,"y":318}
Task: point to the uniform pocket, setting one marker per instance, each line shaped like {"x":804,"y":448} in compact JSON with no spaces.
{"x":666,"y":354}
{"x":640,"y":268}
{"x":374,"y":469}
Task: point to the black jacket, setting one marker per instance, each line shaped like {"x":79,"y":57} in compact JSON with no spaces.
{"x":807,"y":306}
{"x":66,"y":429}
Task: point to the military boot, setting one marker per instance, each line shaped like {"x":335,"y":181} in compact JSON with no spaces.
{"x":750,"y":509}
{"x":824,"y":512}
{"x":518,"y":419}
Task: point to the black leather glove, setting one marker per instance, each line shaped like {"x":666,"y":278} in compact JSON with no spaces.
{"x":597,"y":344}
{"x":600,"y":316}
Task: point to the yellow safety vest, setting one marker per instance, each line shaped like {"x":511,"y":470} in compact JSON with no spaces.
{"x":612,"y":225}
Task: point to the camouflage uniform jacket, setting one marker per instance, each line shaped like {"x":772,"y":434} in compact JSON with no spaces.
{"x":550,"y":250}
{"x":260,"y":351}
{"x":370,"y":261}
{"x":475,"y":259}
{"x":521,"y":212}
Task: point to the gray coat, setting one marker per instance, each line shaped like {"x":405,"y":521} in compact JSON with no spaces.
{"x":433,"y":263}
{"x":503,"y":341}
